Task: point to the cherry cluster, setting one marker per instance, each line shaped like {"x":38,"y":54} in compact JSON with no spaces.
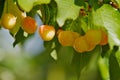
{"x":83,"y":43}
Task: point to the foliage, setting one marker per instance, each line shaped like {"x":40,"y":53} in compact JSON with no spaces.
{"x":77,"y":16}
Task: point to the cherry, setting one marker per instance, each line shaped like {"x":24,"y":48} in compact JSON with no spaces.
{"x":67,"y":38}
{"x":29,"y":25}
{"x":8,"y":21}
{"x":93,"y":37}
{"x":80,"y":45}
{"x":47,"y":32}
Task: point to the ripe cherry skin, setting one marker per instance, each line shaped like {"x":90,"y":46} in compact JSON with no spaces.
{"x":29,"y":25}
{"x":8,"y":21}
{"x":80,"y":45}
{"x":104,"y":39}
{"x":67,"y":38}
{"x":93,"y":37}
{"x":47,"y":32}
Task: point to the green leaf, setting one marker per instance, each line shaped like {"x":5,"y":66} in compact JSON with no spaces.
{"x":27,"y":5}
{"x":79,"y":61}
{"x":37,"y":2}
{"x":53,"y":13}
{"x":84,"y":63}
{"x":65,"y":55}
{"x":108,"y":17}
{"x":78,"y":25}
{"x":118,"y":2}
{"x":91,"y":66}
{"x":48,"y":44}
{"x":73,"y":25}
{"x":94,"y":3}
{"x":114,"y":67}
{"x":118,"y":56}
{"x":79,"y":2}
{"x":103,"y":64}
{"x":84,"y":24}
{"x":19,"y":37}
{"x":1,"y":7}
{"x":45,"y":13}
{"x":49,"y":12}
{"x":107,"y":1}
{"x":66,"y":10}
{"x":105,"y":50}
{"x":54,"y":54}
